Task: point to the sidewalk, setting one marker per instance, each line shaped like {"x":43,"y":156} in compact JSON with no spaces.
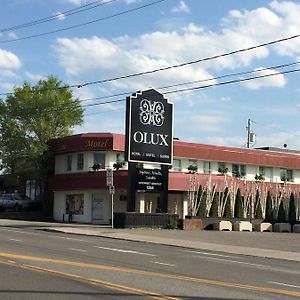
{"x":260,"y":244}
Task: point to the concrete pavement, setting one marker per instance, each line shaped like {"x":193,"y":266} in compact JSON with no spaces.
{"x":261,"y":244}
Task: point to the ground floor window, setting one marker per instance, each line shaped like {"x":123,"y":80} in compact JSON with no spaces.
{"x":75,"y":204}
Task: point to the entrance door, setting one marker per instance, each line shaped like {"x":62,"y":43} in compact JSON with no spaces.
{"x":98,"y":212}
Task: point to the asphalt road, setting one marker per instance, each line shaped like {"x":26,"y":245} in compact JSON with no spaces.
{"x":94,"y":266}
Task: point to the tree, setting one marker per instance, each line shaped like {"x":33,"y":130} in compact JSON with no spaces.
{"x":228,"y":209}
{"x":281,"y":213}
{"x":214,"y":207}
{"x":258,"y":209}
{"x":238,"y":209}
{"x":269,"y":208}
{"x":292,"y":209}
{"x":30,"y":117}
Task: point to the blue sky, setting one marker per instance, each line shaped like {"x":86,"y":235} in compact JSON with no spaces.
{"x":163,"y":34}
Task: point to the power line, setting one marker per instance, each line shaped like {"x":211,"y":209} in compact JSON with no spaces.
{"x":190,"y":62}
{"x":203,"y":86}
{"x":84,"y":24}
{"x":202,"y":80}
{"x":69,"y":12}
{"x":231,"y":81}
{"x":174,"y":66}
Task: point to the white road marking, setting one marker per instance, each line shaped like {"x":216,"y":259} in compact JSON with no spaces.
{"x":163,"y":264}
{"x":284,"y":284}
{"x":15,"y":240}
{"x":78,"y":250}
{"x":125,"y":251}
{"x":209,"y":254}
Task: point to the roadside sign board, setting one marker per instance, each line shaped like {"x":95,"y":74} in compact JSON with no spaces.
{"x":150,"y":180}
{"x":149,"y":128}
{"x":109,"y":177}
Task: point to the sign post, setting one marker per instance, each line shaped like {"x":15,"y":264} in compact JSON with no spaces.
{"x":111,"y":189}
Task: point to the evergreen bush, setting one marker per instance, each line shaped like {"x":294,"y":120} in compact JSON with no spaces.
{"x":228,"y":209}
{"x":238,"y":208}
{"x":292,"y":209}
{"x":281,"y":213}
{"x":269,"y":208}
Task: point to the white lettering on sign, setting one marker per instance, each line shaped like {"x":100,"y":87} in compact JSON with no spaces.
{"x":150,"y":138}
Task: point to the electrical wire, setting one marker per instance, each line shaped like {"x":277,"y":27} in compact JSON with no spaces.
{"x":203,"y":86}
{"x":201,"y":80}
{"x":83,"y":24}
{"x":174,"y":66}
{"x":54,"y":17}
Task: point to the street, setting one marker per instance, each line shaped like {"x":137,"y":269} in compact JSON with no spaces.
{"x":42,"y":264}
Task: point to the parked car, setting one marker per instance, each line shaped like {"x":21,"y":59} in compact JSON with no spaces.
{"x":14,"y":201}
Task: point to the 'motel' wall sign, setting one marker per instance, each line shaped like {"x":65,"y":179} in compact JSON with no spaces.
{"x":149,"y":128}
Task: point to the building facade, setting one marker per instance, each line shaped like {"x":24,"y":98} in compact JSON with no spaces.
{"x":79,"y":183}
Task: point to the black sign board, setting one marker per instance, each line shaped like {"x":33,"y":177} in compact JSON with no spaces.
{"x":150,"y":180}
{"x":149,"y":128}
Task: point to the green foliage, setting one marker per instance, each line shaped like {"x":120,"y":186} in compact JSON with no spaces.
{"x":259,"y":177}
{"x":118,"y":165}
{"x":238,"y":208}
{"x":269,"y":208}
{"x":214,"y":207}
{"x":258,"y":211}
{"x":228,"y":208}
{"x":281,"y":213}
{"x":192,"y":169}
{"x":292,"y":209}
{"x":30,"y":117}
{"x":223,"y":171}
{"x":172,"y":224}
{"x":202,"y":207}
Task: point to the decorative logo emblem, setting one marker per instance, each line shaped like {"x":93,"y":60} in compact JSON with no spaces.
{"x":152,"y":113}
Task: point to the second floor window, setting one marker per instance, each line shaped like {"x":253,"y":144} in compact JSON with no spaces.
{"x":238,"y":170}
{"x":69,"y":163}
{"x":177,"y":165}
{"x":99,"y":159}
{"x":286,"y":175}
{"x":80,"y":161}
{"x":206,"y":167}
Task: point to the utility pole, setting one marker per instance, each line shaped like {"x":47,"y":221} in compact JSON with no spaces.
{"x":248,"y":128}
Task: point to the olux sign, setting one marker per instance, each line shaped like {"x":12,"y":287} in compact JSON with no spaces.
{"x":149,"y":128}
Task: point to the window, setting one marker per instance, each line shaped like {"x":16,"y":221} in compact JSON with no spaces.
{"x":193,"y":162}
{"x":262,"y":171}
{"x":206,"y":167}
{"x":69,"y":163}
{"x":222,"y":168}
{"x":75,"y":204}
{"x":80,"y":161}
{"x":177,"y":165}
{"x":238,"y":170}
{"x":99,"y":159}
{"x":120,"y":157}
{"x":286,"y":175}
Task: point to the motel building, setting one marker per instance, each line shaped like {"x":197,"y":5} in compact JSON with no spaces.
{"x":79,"y":182}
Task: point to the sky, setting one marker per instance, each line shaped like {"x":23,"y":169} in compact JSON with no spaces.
{"x":124,"y":37}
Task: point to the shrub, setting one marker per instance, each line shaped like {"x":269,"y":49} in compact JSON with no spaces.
{"x":281,"y":213}
{"x":269,"y":208}
{"x":292,"y":209}
{"x":238,"y":208}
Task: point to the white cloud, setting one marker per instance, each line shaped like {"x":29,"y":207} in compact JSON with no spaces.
{"x":210,"y":122}
{"x":278,"y":80}
{"x":34,"y":77}
{"x":181,"y":7}
{"x":7,"y":86}
{"x":59,"y":16}
{"x":235,"y":141}
{"x":9,"y":60}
